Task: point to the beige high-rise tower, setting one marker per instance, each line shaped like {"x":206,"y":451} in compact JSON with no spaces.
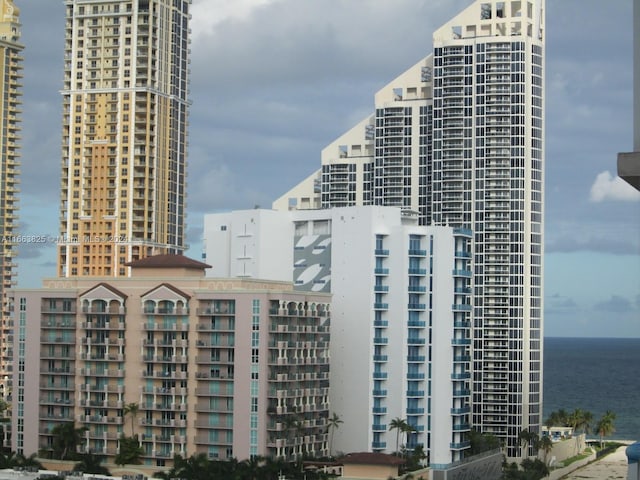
{"x":10,"y":113}
{"x":124,"y":134}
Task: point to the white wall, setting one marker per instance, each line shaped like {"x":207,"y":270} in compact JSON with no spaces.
{"x":269,"y":235}
{"x":249,"y":243}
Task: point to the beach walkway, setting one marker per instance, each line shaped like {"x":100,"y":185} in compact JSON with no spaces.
{"x":613,"y":466}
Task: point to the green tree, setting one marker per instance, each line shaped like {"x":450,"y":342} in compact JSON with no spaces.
{"x":130,"y":452}
{"x":334,"y":424}
{"x":292,"y":425}
{"x":546,"y":445}
{"x":482,"y":442}
{"x":605,"y":426}
{"x":12,"y":460}
{"x":406,"y":430}
{"x":199,"y":467}
{"x":415,"y":459}
{"x":527,"y":438}
{"x":132,"y":410}
{"x":91,"y":463}
{"x":30,"y":461}
{"x":4,"y":406}
{"x":178,"y":460}
{"x":66,"y":439}
{"x":580,"y":420}
{"x":8,"y":460}
{"x":399,"y":425}
{"x":558,"y":419}
{"x":528,"y":470}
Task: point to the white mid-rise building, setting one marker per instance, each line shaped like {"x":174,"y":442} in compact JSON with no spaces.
{"x":401,"y":309}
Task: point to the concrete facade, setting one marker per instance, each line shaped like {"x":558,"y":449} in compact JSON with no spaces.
{"x":459,"y":138}
{"x":10,"y":116}
{"x":224,"y":367}
{"x":124,"y":126}
{"x":400,"y":314}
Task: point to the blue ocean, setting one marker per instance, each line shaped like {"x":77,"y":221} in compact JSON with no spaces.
{"x":595,"y":374}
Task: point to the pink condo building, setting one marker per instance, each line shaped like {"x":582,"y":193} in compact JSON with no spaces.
{"x":216,"y":366}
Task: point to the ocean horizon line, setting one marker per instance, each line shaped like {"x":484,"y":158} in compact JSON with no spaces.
{"x":589,"y":338}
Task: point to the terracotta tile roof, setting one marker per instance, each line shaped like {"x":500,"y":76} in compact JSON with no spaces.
{"x":168,"y":261}
{"x":371,"y":458}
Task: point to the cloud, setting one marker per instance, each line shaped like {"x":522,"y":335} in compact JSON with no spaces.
{"x":606,"y":187}
{"x":34,"y":250}
{"x":560,"y":304}
{"x":587,"y":242}
{"x":615,"y":304}
{"x":207,"y":14}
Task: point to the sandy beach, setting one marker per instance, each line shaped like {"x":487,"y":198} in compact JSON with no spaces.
{"x":613,"y":466}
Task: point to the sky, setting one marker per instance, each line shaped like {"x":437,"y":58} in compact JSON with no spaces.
{"x":274,"y":81}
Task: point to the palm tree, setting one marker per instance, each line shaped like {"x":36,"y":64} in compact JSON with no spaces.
{"x":546,"y":445}
{"x":91,"y":463}
{"x":334,"y":423}
{"x":406,"y":431}
{"x":178,"y":462}
{"x":580,"y":420}
{"x":129,"y":452}
{"x":587,"y":423}
{"x":291,"y":427}
{"x":66,"y":439}
{"x":605,"y":426}
{"x":563,"y":415}
{"x":12,"y":460}
{"x":250,"y":468}
{"x":197,"y":467}
{"x":30,"y":461}
{"x":527,"y":438}
{"x":132,"y":410}
{"x":400,"y":425}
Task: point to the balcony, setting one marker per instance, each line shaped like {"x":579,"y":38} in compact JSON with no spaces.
{"x":415,"y":393}
{"x":460,"y":411}
{"x":461,"y":307}
{"x":460,"y":445}
{"x":415,"y":411}
{"x":417,"y":271}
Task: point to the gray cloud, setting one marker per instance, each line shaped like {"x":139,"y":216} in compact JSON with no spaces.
{"x":272,"y":87}
{"x":578,"y":243}
{"x":615,"y":304}
{"x":34,"y":250}
{"x":559,"y":304}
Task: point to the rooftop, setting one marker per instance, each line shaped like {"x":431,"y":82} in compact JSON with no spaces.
{"x":168,"y":261}
{"x":371,"y":458}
